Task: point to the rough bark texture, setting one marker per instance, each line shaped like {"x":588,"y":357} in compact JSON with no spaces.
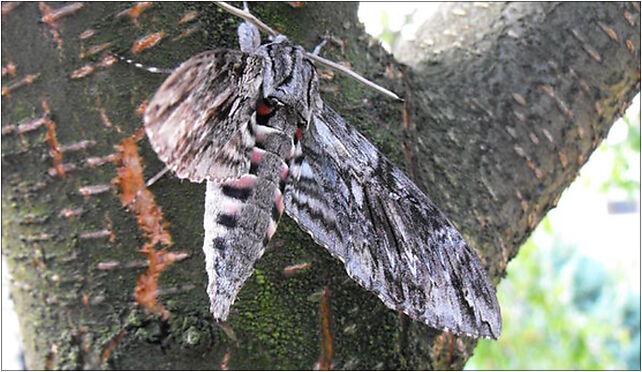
{"x":503,"y":111}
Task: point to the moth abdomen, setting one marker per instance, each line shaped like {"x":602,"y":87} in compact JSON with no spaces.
{"x":228,"y":220}
{"x":236,"y":232}
{"x":265,"y":164}
{"x":239,"y":189}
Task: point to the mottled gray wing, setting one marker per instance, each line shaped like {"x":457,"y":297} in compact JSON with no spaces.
{"x":391,"y":237}
{"x":198,"y":120}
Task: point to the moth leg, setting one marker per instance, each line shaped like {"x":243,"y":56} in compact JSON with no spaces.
{"x":317,"y":49}
{"x":249,"y":36}
{"x":246,"y":16}
{"x":331,"y":38}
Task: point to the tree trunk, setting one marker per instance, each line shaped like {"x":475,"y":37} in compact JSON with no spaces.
{"x":501,"y":116}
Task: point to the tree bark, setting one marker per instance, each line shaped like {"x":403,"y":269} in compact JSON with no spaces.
{"x":502,"y":112}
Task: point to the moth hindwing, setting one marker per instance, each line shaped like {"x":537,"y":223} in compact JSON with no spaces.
{"x":252,"y":124}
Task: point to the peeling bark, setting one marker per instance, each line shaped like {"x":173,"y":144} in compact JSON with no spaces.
{"x":498,"y":124}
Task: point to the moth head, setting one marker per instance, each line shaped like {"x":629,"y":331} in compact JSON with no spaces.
{"x":290,"y":79}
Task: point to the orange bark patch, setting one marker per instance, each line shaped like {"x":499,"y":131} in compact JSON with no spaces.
{"x":82,"y":72}
{"x":140,"y":110}
{"x":292,"y":270}
{"x":107,"y":61}
{"x":93,"y":190}
{"x":30,"y":78}
{"x":186,"y":33}
{"x":189,"y":16}
{"x":112,"y":345}
{"x":25,"y":127}
{"x":130,"y":171}
{"x":226,"y":360}
{"x":609,"y":31}
{"x":105,"y":118}
{"x":94,"y":50}
{"x":46,"y":18}
{"x":52,"y":141}
{"x":50,"y":358}
{"x":51,"y":18}
{"x":88,"y":69}
{"x":629,"y":18}
{"x":8,"y":6}
{"x":325,"y":359}
{"x":25,"y":81}
{"x":87,"y":34}
{"x":326,"y":75}
{"x":69,"y":213}
{"x":147,"y":283}
{"x":451,"y":348}
{"x":109,"y":265}
{"x":139,"y":134}
{"x":598,"y":109}
{"x":147,"y":42}
{"x":563,"y":159}
{"x":66,"y":168}
{"x":9,"y":69}
{"x":87,"y":235}
{"x":134,"y":12}
{"x":150,"y":220}
{"x":96,"y":161}
{"x":438,"y":345}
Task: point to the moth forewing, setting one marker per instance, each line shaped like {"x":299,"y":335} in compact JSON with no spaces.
{"x":198,"y":120}
{"x":402,"y":248}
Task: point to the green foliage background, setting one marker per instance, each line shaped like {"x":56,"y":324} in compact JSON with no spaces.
{"x":563,"y":309}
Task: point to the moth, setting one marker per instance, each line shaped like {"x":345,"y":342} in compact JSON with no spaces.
{"x":252,"y":125}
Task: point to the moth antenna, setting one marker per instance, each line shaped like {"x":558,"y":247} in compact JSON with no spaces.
{"x":315,"y":56}
{"x":156,"y":177}
{"x":153,"y":70}
{"x":346,"y":71}
{"x":335,"y":66}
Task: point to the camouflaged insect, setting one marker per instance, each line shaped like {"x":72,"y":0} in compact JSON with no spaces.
{"x":252,"y":124}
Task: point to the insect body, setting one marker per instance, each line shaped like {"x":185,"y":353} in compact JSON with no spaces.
{"x":252,"y":124}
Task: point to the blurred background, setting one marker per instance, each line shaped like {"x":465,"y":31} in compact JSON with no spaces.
{"x":571,"y":298}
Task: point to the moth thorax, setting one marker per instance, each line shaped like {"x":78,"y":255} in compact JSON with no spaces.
{"x":290,"y":79}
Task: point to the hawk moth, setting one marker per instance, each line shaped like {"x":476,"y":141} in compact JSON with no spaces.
{"x":251,"y":123}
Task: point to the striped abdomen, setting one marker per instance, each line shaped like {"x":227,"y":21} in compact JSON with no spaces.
{"x":241,"y":215}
